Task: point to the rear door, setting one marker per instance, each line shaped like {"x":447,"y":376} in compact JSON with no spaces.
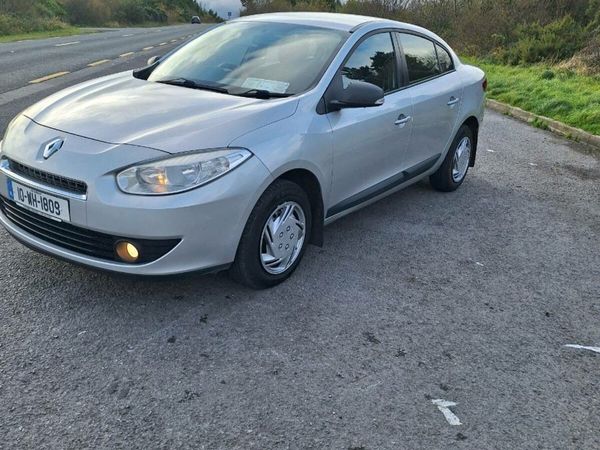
{"x":369,"y":143}
{"x":436,"y":90}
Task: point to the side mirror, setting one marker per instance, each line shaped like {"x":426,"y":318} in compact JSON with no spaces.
{"x":145,"y":72}
{"x":347,"y":93}
{"x":153,"y":60}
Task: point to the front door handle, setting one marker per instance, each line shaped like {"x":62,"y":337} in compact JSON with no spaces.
{"x":453,"y":101}
{"x":402,"y":120}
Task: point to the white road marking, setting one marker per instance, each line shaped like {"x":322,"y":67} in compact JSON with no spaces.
{"x":173,"y":40}
{"x":67,"y":43}
{"x":148,"y":48}
{"x":374,"y":385}
{"x":127,"y":35}
{"x":162,"y":43}
{"x":48,"y":77}
{"x":491,"y":151}
{"x":479,"y":264}
{"x":444,"y":407}
{"x":583,"y":347}
{"x":533,"y":164}
{"x":126,"y":54}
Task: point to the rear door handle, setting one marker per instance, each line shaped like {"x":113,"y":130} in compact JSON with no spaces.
{"x":402,"y":120}
{"x":453,"y":101}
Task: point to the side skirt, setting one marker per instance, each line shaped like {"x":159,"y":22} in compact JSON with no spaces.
{"x":383,"y":186}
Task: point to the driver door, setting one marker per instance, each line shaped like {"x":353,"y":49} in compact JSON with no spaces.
{"x":369,"y":143}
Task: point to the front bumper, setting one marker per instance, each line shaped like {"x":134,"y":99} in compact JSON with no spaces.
{"x":208,"y":221}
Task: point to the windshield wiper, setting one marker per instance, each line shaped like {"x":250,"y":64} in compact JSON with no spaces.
{"x":185,"y":82}
{"x":261,"y":93}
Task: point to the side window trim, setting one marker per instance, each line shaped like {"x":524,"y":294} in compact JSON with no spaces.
{"x":407,"y":83}
{"x":402,"y":67}
{"x":402,"y":74}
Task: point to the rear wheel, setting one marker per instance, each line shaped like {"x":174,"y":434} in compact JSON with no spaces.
{"x":275,"y":236}
{"x":453,"y":170}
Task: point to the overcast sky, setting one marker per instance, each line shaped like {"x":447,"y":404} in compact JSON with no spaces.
{"x":223,"y":6}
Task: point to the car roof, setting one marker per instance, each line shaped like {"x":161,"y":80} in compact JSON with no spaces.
{"x":344,"y":22}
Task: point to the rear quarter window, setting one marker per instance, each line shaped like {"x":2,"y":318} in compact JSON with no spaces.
{"x":444,"y":59}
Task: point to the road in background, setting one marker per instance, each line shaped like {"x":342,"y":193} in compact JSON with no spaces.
{"x":468,"y":297}
{"x":31,"y":60}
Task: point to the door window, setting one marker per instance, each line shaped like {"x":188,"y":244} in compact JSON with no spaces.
{"x":374,"y":61}
{"x":421,"y":58}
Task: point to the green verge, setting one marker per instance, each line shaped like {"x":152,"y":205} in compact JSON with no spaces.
{"x":549,"y":91}
{"x":69,"y":31}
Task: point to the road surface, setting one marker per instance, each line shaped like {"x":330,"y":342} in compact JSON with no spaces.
{"x":26,"y":61}
{"x":466,"y":298}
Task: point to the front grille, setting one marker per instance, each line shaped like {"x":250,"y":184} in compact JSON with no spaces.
{"x":81,"y":240}
{"x":67,"y":184}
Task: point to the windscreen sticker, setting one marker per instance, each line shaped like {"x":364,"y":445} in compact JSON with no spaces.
{"x":278,"y":87}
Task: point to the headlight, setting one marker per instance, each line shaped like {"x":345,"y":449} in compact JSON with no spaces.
{"x":180,"y":173}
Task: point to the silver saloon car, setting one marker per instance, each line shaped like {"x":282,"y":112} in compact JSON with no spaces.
{"x":236,"y":149}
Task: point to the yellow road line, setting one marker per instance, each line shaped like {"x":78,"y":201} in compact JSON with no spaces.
{"x":148,"y":48}
{"x":97,"y":63}
{"x":126,"y":54}
{"x":48,"y":77}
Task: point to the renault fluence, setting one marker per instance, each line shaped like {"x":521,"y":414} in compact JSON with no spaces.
{"x":236,"y":149}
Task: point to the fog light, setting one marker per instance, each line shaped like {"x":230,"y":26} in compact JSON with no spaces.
{"x":127,"y":251}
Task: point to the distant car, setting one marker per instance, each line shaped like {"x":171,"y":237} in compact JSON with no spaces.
{"x":196,"y":19}
{"x":235,"y":150}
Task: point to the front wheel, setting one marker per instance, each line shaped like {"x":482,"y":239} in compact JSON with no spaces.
{"x":275,"y":236}
{"x":454,"y":169}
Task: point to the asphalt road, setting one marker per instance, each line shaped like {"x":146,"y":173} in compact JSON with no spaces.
{"x":27,"y":61}
{"x":468,"y":297}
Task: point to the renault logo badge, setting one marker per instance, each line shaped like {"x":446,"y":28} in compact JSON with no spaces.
{"x":52,"y":147}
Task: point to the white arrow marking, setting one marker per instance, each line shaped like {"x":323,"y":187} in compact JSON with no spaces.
{"x":444,"y":407}
{"x":583,"y":347}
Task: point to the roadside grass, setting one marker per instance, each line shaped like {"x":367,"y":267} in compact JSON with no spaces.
{"x":556,"y":93}
{"x":68,"y":31}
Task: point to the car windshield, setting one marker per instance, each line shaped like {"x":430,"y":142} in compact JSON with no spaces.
{"x":253,"y":58}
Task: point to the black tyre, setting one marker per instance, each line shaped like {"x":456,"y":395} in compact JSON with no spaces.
{"x":453,"y":170}
{"x":275,"y":236}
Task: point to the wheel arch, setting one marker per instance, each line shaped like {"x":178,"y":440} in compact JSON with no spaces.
{"x":473,"y":123}
{"x":309,"y":182}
